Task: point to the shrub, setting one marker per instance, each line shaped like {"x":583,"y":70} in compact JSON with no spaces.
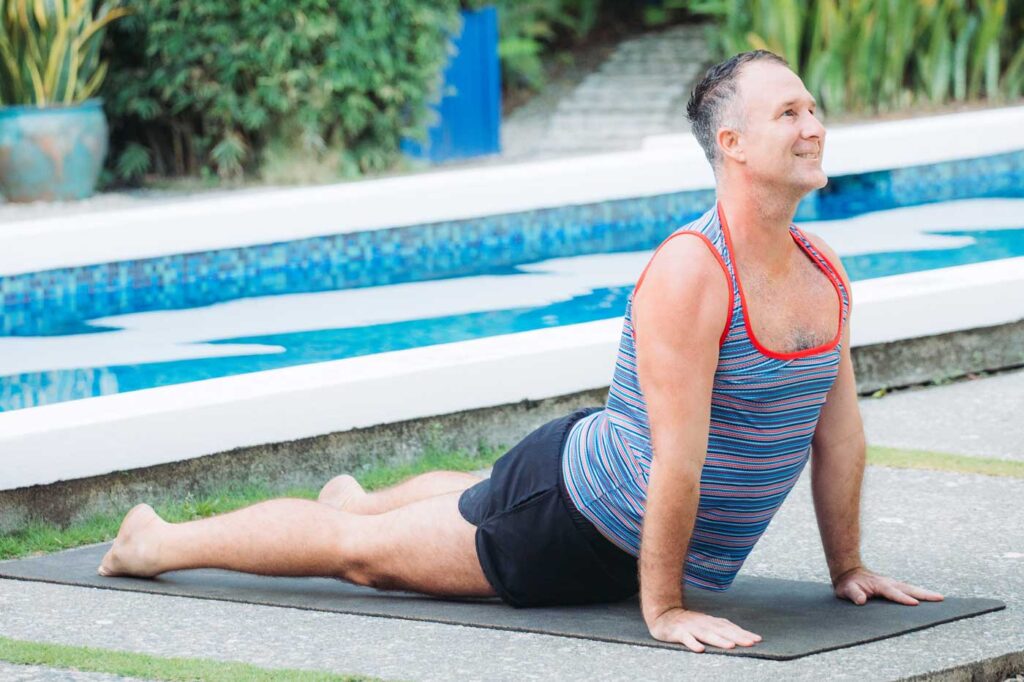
{"x":202,"y":87}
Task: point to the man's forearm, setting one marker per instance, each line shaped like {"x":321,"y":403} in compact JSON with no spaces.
{"x":836,"y":476}
{"x":672,"y":502}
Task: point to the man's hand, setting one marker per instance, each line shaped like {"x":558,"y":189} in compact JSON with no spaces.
{"x":692,"y":628}
{"x":859,"y":584}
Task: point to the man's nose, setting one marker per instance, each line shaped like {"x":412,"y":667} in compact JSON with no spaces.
{"x":813,"y":128}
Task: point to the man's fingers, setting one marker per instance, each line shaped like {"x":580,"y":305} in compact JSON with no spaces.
{"x":739,"y":635}
{"x":691,"y":643}
{"x":696,"y":631}
{"x":855,"y":594}
{"x":893,"y":593}
{"x":715,"y":639}
{"x":921,"y":593}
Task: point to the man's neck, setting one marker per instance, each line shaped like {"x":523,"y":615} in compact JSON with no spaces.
{"x":759,"y":222}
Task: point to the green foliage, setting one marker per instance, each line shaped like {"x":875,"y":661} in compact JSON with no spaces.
{"x":878,"y":55}
{"x":50,"y":50}
{"x":203,"y":88}
{"x":530,"y":30}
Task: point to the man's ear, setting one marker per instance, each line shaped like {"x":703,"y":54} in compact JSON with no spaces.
{"x":730,"y":144}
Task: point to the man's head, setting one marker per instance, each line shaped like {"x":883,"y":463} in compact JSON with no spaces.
{"x":753,"y":116}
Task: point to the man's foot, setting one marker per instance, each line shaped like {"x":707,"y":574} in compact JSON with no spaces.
{"x":341,"y":491}
{"x":134,"y":551}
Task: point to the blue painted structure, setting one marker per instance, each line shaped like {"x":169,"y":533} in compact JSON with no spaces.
{"x":469,"y":113}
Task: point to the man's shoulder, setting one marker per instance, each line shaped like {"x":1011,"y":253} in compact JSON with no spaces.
{"x":687,"y":268}
{"x":691,"y":252}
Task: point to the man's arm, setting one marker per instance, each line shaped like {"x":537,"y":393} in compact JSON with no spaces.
{"x":837,"y":471}
{"x":678,"y":314}
{"x":837,"y":465}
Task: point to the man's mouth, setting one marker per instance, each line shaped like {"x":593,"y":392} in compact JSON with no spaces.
{"x":809,"y":155}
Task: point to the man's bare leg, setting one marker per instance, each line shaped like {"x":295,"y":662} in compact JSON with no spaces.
{"x":344,"y":492}
{"x":425,"y":546}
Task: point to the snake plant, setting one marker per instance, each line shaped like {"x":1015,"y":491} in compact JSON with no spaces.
{"x":50,"y":50}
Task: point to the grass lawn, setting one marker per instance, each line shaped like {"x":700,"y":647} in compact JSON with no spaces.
{"x":129,"y":664}
{"x":898,"y":458}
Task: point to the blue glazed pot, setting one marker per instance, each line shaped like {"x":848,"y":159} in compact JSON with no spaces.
{"x":53,"y":153}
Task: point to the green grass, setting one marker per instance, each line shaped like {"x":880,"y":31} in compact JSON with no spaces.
{"x":43,"y":538}
{"x":128,"y":664}
{"x":897,"y":458}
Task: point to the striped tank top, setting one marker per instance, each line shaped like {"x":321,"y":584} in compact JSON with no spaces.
{"x":764,"y":409}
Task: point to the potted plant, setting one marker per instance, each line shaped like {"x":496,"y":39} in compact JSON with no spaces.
{"x":53,"y":132}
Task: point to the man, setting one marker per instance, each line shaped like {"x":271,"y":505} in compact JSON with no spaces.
{"x":734,"y":364}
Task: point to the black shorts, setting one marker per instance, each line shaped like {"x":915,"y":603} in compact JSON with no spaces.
{"x":535,"y":547}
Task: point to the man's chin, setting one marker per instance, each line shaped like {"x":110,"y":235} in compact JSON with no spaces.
{"x":814,"y":181}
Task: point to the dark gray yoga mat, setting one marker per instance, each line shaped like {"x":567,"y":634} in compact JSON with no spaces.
{"x":794,"y":618}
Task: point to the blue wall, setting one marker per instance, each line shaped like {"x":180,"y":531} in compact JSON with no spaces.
{"x":470,"y":110}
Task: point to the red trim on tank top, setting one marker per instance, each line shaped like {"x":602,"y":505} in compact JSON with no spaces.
{"x":832,"y":267}
{"x":746,"y":309}
{"x":721,"y":263}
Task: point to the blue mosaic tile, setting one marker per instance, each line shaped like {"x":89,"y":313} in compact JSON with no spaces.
{"x":58,"y":301}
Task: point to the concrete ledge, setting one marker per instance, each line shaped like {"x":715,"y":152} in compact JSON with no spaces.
{"x":996,"y":669}
{"x":935,"y":358}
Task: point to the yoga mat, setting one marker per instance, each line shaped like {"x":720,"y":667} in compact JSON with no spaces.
{"x":794,"y":618}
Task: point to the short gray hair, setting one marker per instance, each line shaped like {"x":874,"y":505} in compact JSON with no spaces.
{"x":714,"y":94}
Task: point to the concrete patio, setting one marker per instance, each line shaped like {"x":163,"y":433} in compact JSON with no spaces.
{"x":955,"y":533}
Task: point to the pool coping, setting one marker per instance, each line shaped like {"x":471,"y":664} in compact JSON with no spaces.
{"x":138,"y":429}
{"x":665,"y":164}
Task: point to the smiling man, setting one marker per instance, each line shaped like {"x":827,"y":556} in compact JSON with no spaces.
{"x":726,"y":414}
{"x":733,"y":367}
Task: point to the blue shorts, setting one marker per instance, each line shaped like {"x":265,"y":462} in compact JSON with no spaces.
{"x":534,"y":546}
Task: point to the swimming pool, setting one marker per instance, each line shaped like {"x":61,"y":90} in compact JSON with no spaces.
{"x":69,"y":358}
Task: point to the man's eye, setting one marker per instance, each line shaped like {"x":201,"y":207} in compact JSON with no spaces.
{"x":789,"y":111}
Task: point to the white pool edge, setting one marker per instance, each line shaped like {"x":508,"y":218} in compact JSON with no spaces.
{"x":665,"y":164}
{"x":156,"y":426}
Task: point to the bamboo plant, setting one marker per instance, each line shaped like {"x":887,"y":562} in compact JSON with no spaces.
{"x":50,"y":50}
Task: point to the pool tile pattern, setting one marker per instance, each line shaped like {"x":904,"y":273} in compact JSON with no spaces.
{"x":60,"y":301}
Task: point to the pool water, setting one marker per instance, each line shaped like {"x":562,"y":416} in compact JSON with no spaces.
{"x":144,"y":350}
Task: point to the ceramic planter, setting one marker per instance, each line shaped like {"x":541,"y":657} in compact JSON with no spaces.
{"x":52,"y":153}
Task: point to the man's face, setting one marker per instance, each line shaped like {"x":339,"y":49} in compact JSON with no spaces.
{"x":781,"y":139}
